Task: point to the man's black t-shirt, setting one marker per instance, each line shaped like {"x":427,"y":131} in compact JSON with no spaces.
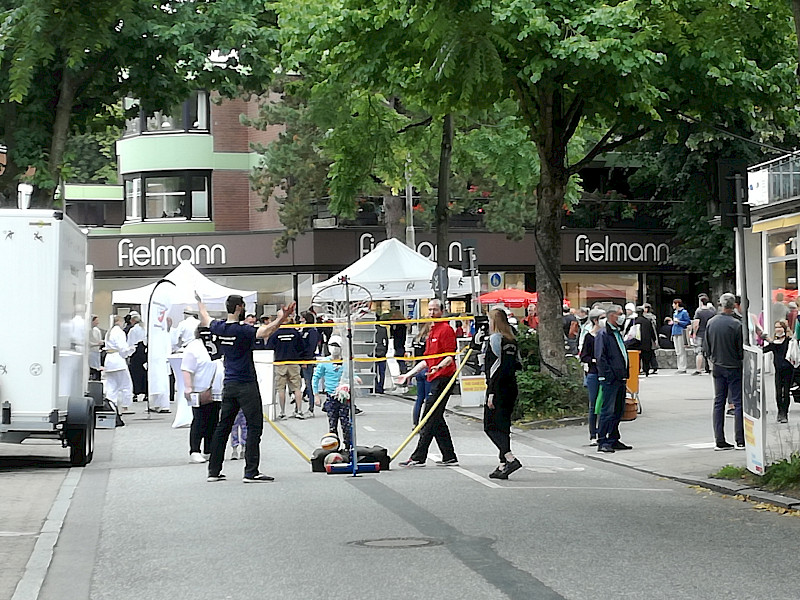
{"x":235,"y":341}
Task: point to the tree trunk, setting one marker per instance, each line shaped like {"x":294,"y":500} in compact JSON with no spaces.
{"x":552,"y":147}
{"x":9,"y":176}
{"x":796,"y":14}
{"x":443,"y":194}
{"x":43,"y":195}
{"x":393,"y":212}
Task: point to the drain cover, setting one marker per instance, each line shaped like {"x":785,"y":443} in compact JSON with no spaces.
{"x":392,"y":543}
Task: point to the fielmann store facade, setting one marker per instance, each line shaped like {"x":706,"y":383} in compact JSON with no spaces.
{"x":618,"y":266}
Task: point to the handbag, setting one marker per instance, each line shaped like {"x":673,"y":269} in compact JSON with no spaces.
{"x":598,"y":404}
{"x":634,"y":333}
{"x":793,"y":353}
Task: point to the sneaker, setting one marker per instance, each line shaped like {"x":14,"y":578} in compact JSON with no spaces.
{"x":696,"y":373}
{"x":359,"y":411}
{"x":235,"y":453}
{"x":215,"y":478}
{"x":681,"y":372}
{"x":310,"y":414}
{"x":593,"y":442}
{"x":740,"y":446}
{"x":207,"y":456}
{"x":783,"y":419}
{"x":605,"y":448}
{"x":723,"y":446}
{"x":258,"y":478}
{"x":281,"y":416}
{"x":196,"y":457}
{"x":412,"y":463}
{"x":453,"y":462}
{"x":514,"y":465}
{"x":730,"y":412}
{"x":620,"y":446}
{"x":298,"y":415}
{"x":497,"y":473}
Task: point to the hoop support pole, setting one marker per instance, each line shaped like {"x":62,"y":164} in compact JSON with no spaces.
{"x":433,"y":408}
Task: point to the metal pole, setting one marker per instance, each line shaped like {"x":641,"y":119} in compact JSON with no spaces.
{"x":351,"y":375}
{"x":410,"y":239}
{"x":740,"y":258}
{"x":471,"y":258}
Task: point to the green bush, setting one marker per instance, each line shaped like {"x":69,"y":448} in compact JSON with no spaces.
{"x":783,"y":475}
{"x":542,"y":396}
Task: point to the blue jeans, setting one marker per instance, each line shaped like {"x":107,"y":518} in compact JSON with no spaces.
{"x":592,"y":384}
{"x":380,"y":376}
{"x":423,"y":389}
{"x":307,"y":372}
{"x":727,"y":387}
{"x":611,"y":413}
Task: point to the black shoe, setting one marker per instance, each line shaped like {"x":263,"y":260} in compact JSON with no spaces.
{"x":620,"y":446}
{"x":605,"y":448}
{"x":215,"y":478}
{"x":451,"y":462}
{"x":497,"y":473}
{"x":723,"y":446}
{"x":514,"y":465}
{"x":740,"y":446}
{"x":730,"y":412}
{"x":359,"y":411}
{"x":258,"y":478}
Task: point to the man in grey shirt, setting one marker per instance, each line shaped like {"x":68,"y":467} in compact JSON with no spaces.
{"x":724,"y":347}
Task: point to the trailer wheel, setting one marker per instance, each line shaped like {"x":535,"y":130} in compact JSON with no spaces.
{"x":81,"y":443}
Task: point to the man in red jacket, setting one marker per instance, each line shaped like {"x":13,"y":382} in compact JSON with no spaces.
{"x":441,"y":339}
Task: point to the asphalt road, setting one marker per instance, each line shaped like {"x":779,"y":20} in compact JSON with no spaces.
{"x":144,"y":524}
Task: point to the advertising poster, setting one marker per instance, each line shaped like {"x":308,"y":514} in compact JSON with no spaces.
{"x":753,"y":409}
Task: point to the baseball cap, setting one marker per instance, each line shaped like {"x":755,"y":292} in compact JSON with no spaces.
{"x":630,"y":306}
{"x":133,"y":314}
{"x":335,"y":340}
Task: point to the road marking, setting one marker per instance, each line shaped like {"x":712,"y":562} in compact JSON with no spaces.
{"x":368,"y":428}
{"x":703,"y":446}
{"x":30,"y":585}
{"x":471,"y":475}
{"x":17,"y":533}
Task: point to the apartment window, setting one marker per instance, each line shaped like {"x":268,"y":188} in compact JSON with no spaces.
{"x":168,"y":195}
{"x":191,"y":115}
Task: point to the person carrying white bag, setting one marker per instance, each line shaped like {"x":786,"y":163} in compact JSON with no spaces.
{"x":786,"y":357}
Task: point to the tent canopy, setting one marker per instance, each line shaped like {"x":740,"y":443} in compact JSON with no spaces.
{"x":393,"y":271}
{"x":510,"y":297}
{"x":187,"y":280}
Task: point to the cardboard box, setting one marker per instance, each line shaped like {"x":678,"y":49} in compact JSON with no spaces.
{"x":105,"y":419}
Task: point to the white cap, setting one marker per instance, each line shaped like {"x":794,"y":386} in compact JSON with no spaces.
{"x":335,"y":340}
{"x":133,"y":313}
{"x":630,"y":306}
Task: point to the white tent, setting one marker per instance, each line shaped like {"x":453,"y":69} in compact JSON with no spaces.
{"x":187,"y":280}
{"x":393,"y":271}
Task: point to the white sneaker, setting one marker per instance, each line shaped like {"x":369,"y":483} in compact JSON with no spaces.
{"x":235,"y":453}
{"x":196,"y":457}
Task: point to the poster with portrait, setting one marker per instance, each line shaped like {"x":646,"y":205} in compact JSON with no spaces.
{"x":753,"y":408}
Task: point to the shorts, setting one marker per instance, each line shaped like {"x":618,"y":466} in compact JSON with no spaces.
{"x":288,"y":375}
{"x":698,"y":345}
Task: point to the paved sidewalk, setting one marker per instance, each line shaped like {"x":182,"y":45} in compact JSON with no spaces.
{"x":673,"y":436}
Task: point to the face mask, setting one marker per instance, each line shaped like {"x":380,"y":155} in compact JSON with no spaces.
{"x":582,"y":319}
{"x":780,"y":334}
{"x":336,"y":351}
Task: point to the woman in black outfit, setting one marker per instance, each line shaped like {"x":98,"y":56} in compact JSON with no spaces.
{"x":502,"y":363}
{"x":784,"y":371}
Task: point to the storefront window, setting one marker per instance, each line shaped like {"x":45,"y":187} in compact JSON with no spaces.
{"x":783,"y":278}
{"x":587,"y":289}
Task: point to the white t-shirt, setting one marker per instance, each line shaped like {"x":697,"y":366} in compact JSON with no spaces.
{"x":197,"y":361}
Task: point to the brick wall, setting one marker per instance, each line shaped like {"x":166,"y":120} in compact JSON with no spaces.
{"x":229,"y":134}
{"x":231,"y":200}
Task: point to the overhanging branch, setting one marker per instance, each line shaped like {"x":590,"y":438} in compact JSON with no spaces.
{"x":604,"y":145}
{"x":423,"y":123}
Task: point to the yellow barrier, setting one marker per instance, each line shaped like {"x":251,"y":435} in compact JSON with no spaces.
{"x":433,"y":408}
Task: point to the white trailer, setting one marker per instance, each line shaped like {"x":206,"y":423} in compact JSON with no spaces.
{"x":45,"y":303}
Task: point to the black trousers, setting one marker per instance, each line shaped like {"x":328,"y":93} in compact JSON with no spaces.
{"x":436,"y":428}
{"x":206,"y":417}
{"x":237,"y":395}
{"x":497,"y":420}
{"x":649,"y":363}
{"x":783,"y":381}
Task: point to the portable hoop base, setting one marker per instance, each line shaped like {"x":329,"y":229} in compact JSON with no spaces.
{"x":347,"y":468}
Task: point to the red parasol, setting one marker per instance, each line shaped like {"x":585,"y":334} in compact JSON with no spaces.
{"x":510,"y":297}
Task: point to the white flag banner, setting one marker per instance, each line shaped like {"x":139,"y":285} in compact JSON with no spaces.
{"x":159,"y":345}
